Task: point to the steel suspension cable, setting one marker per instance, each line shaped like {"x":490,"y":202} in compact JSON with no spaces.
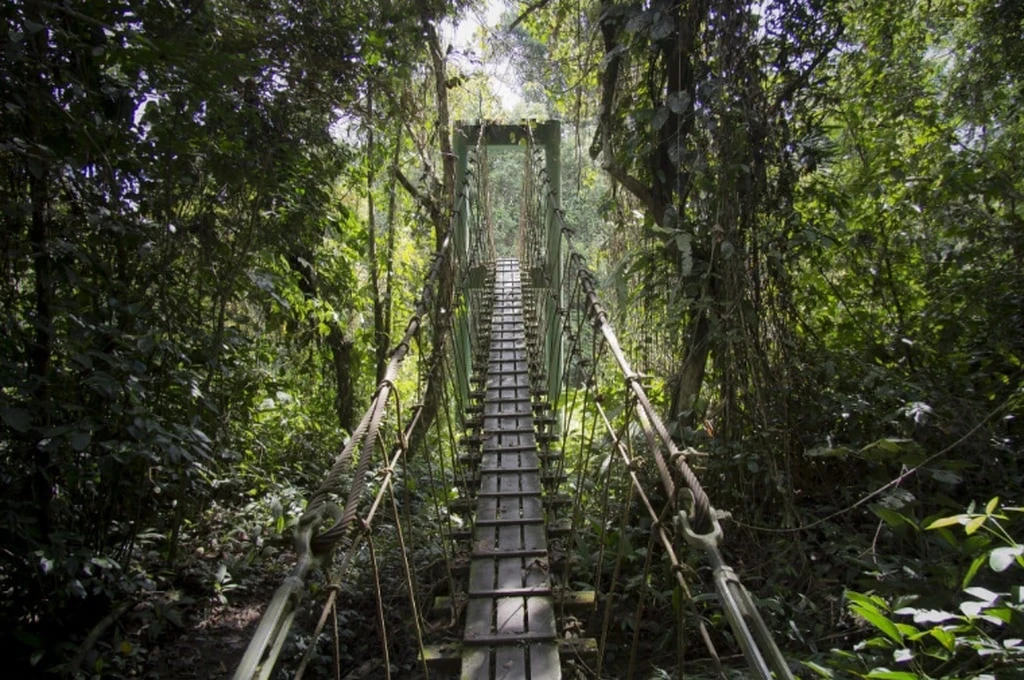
{"x":699,"y":523}
{"x":314,"y":545}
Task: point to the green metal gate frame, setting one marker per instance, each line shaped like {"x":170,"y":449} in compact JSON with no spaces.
{"x":546,"y":134}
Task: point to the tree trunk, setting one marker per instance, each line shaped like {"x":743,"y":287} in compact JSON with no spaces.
{"x":389,"y":276}
{"x":341,"y":346}
{"x":380,"y":340}
{"x":341,"y":355}
{"x":690,"y":379}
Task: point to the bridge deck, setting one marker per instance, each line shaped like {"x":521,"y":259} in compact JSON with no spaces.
{"x":510,"y":621}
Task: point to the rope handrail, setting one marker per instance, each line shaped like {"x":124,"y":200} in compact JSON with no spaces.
{"x":313,"y":546}
{"x":696,"y":519}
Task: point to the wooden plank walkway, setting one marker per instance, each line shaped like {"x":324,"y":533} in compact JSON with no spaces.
{"x":510,"y":618}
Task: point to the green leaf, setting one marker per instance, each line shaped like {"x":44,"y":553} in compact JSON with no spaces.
{"x":826,"y":451}
{"x":879,"y":621}
{"x":1000,"y":559}
{"x":890,"y":448}
{"x":945,"y":638}
{"x":80,"y":439}
{"x":945,"y":477}
{"x":891,"y":517}
{"x":1004,"y":614}
{"x":18,"y":419}
{"x":990,"y":508}
{"x":820,"y":670}
{"x":974,"y":524}
{"x":869,"y":601}
{"x":973,"y":570}
{"x":946,"y":522}
{"x":887,"y":674}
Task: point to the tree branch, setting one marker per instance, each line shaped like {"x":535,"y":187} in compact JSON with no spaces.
{"x":635,"y":187}
{"x":527,"y":12}
{"x":804,"y":76}
{"x":423,"y":200}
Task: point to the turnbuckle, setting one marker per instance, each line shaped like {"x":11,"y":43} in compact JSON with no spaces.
{"x":754,"y":637}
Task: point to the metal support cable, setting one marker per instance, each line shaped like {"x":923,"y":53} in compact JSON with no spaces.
{"x":666,"y":540}
{"x":702,"y":504}
{"x":754,"y":637}
{"x":367,"y":522}
{"x":311,"y":547}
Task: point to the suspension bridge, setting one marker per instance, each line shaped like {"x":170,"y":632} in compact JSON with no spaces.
{"x":516,"y":366}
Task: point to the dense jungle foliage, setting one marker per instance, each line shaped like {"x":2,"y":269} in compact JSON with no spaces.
{"x":807,"y":217}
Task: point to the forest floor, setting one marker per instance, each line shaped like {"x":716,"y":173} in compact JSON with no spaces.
{"x":212,"y":642}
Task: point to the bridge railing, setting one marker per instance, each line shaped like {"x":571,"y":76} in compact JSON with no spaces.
{"x":577,"y":318}
{"x":339,"y":515}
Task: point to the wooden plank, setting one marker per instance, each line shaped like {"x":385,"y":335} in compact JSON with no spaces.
{"x":476,"y":665}
{"x":510,"y":536}
{"x":480,"y":611}
{"x":510,"y":616}
{"x":479,"y":618}
{"x":576,"y":602}
{"x":507,"y":481}
{"x":490,"y":482}
{"x":447,"y":657}
{"x":489,"y":460}
{"x":510,"y":663}
{"x":481,"y":575}
{"x":484,"y":539}
{"x":521,"y":592}
{"x":540,"y":615}
{"x":487,"y":507}
{"x":544,"y":662}
{"x":529,"y":480}
{"x":534,"y":538}
{"x":510,"y":592}
{"x":510,"y":573}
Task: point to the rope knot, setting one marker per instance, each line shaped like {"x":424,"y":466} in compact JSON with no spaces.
{"x":386,"y":381}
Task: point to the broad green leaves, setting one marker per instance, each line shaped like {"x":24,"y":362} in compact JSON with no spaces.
{"x":983,"y":621}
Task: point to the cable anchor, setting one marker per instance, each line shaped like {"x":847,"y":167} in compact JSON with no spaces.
{"x":753,"y":635}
